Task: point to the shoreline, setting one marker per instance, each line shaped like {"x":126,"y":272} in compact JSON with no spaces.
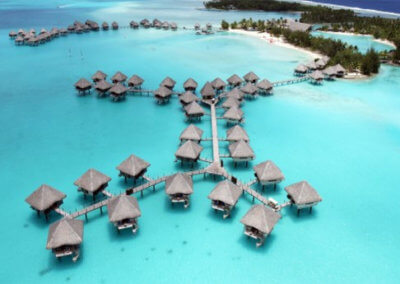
{"x":383,"y":41}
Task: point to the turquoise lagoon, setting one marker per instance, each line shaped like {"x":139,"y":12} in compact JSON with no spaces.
{"x":343,"y":137}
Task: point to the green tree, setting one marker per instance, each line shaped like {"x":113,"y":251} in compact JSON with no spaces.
{"x":224,"y":25}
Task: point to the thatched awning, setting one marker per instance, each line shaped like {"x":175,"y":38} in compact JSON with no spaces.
{"x":83,"y":85}
{"x":251,"y":77}
{"x":268,"y":171}
{"x":241,"y":150}
{"x":179,"y":183}
{"x":226,"y":192}
{"x":303,"y":193}
{"x":189,"y":150}
{"x":191,"y":132}
{"x":133,"y":166}
{"x":123,"y":207}
{"x":236,"y":133}
{"x":44,"y":197}
{"x":92,"y":180}
{"x":261,"y":218}
{"x":66,"y":232}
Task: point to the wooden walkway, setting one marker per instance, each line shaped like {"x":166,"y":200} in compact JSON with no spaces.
{"x":61,"y":212}
{"x":90,"y":208}
{"x":291,"y":81}
{"x":214,"y":133}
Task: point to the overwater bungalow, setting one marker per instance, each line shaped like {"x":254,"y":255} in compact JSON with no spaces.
{"x":83,"y":86}
{"x":250,"y":90}
{"x":99,"y":76}
{"x":45,"y":199}
{"x":209,"y":26}
{"x":102,"y":87}
{"x":147,"y":25}
{"x":118,"y":92}
{"x":268,"y":173}
{"x":218,"y":84}
{"x":71,"y":28}
{"x":135,"y":81}
{"x":234,"y":81}
{"x":144,"y":21}
{"x":165,"y":25}
{"x":162,"y":94}
{"x":179,"y":187}
{"x":105,"y":26}
{"x":259,"y":222}
{"x":194,"y":111}
{"x":301,"y":70}
{"x":190,"y":85}
{"x":119,"y":77}
{"x":21,"y":32}
{"x":224,"y":197}
{"x":191,"y":133}
{"x":12,"y":34}
{"x":133,"y":167}
{"x":241,"y":152}
{"x":303,"y":195}
{"x":78,"y":29}
{"x":329,"y":72}
{"x":114,"y":25}
{"x":320,"y":63}
{"x":134,"y":25}
{"x":207,"y":92}
{"x":92,"y":182}
{"x":19,"y":40}
{"x":157,"y":25}
{"x":235,"y":93}
{"x":43,"y":31}
{"x":265,"y":87}
{"x":65,"y":237}
{"x":174,"y":26}
{"x":187,"y":98}
{"x":189,"y":152}
{"x":317,"y":77}
{"x":311,"y":66}
{"x":230,"y":102}
{"x":156,"y":21}
{"x":168,"y":82}
{"x":237,"y":133}
{"x":32,"y":41}
{"x":340,"y":71}
{"x":251,"y":77}
{"x":123,"y":211}
{"x":197,"y":26}
{"x":233,"y":115}
{"x":93,"y":25}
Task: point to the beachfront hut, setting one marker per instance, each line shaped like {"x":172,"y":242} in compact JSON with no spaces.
{"x":301,"y":70}
{"x":311,"y":66}
{"x":190,"y":85}
{"x":265,"y":87}
{"x":105,"y":26}
{"x":250,"y":90}
{"x":45,"y":199}
{"x":236,"y":133}
{"x":99,"y":76}
{"x":340,"y":71}
{"x":135,"y":81}
{"x":179,"y":187}
{"x":168,"y":82}
{"x":218,"y":84}
{"x":207,"y":92}
{"x":191,"y":133}
{"x":224,"y":197}
{"x":230,"y":102}
{"x":174,"y":26}
{"x":133,"y":167}
{"x":123,"y":211}
{"x":317,"y":77}
{"x":102,"y":87}
{"x":189,"y":152}
{"x":162,"y":94}
{"x":12,"y":34}
{"x":64,"y":238}
{"x":119,"y":77}
{"x":233,"y":115}
{"x":92,"y":182}
{"x":187,"y":98}
{"x":268,"y":173}
{"x":194,"y":111}
{"x":134,"y":25}
{"x":118,"y":91}
{"x":234,"y":81}
{"x":83,"y":86}
{"x":251,"y":77}
{"x":303,"y":195}
{"x":241,"y":151}
{"x":329,"y":72}
{"x":259,"y":222}
{"x":114,"y":25}
{"x":235,"y":93}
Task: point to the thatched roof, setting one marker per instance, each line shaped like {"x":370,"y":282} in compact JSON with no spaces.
{"x":226,"y":192}
{"x":174,"y":26}
{"x":103,"y":86}
{"x":188,"y":97}
{"x":241,"y":149}
{"x":297,"y":26}
{"x":194,"y":109}
{"x":261,"y":218}
{"x":317,"y":75}
{"x":44,"y":197}
{"x":268,"y":171}
{"x":249,"y":89}
{"x":251,"y":77}
{"x":234,"y":80}
{"x":114,"y":24}
{"x":265,"y":85}
{"x":339,"y":68}
{"x":234,"y":113}
{"x":104,"y":25}
{"x":92,"y":180}
{"x":168,"y":82}
{"x":329,"y":71}
{"x":179,"y":183}
{"x":190,"y":84}
{"x":123,"y":207}
{"x":303,"y":193}
{"x":301,"y":68}
{"x":237,"y":133}
{"x":165,"y":25}
{"x":192,"y":132}
{"x":83,"y":84}
{"x":320,"y":63}
{"x":118,"y":89}
{"x":230,"y":102}
{"x":119,"y":77}
{"x":133,"y":165}
{"x":189,"y":150}
{"x":218,"y":83}
{"x":163,"y":92}
{"x":207,"y":90}
{"x":311,"y":65}
{"x":65,"y":232}
{"x":235,"y":93}
{"x":135,"y":80}
{"x":133,"y":24}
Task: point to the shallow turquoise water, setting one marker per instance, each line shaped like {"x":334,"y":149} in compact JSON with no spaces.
{"x":343,"y":137}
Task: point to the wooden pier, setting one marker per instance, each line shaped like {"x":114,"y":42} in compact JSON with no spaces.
{"x":214,"y":133}
{"x":291,"y":81}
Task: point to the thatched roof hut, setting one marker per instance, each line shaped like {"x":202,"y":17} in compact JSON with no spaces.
{"x":329,"y":72}
{"x":133,"y":25}
{"x":174,"y":26}
{"x":192,"y":133}
{"x":19,"y":40}
{"x":251,"y":77}
{"x":317,"y":77}
{"x":119,"y":77}
{"x":165,"y":25}
{"x":105,"y":26}
{"x":340,"y":70}
{"x":233,"y":115}
{"x":187,"y":98}
{"x":135,"y":81}
{"x":224,"y":196}
{"x":83,"y":85}
{"x":102,"y":87}
{"x":144,"y":21}
{"x":301,"y":69}
{"x":162,"y":94}
{"x":168,"y":82}
{"x":197,"y":26}
{"x":99,"y":76}
{"x":218,"y":84}
{"x":133,"y":167}
{"x":189,"y":151}
{"x":92,"y":182}
{"x":241,"y":152}
{"x":303,"y":195}
{"x":178,"y":187}
{"x":118,"y":91}
{"x":320,"y":63}
{"x":230,"y":102}
{"x":235,"y":93}
{"x":114,"y":25}
{"x":12,"y":34}
{"x":298,"y":26}
{"x":249,"y":89}
{"x":236,"y":133}
{"x":123,"y":210}
{"x":268,"y":173}
{"x":194,"y":110}
{"x":207,"y":92}
{"x":190,"y":85}
{"x":234,"y":80}
{"x":265,"y":86}
{"x":311,"y":65}
{"x":45,"y":198}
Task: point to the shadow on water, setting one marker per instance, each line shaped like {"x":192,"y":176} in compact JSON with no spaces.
{"x":217,"y":216}
{"x":64,"y":263}
{"x":122,"y":235}
{"x":250,"y":244}
{"x":304,"y":215}
{"x":176,"y":208}
{"x":41,"y":222}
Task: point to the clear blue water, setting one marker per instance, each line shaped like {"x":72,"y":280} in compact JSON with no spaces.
{"x":380,"y":5}
{"x":343,"y":137}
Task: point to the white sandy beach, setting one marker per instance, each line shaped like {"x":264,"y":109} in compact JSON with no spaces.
{"x":384,"y":41}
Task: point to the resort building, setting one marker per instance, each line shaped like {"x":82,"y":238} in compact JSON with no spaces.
{"x":241,"y":152}
{"x":194,"y":111}
{"x":189,"y":152}
{"x":311,"y":66}
{"x":329,"y":72}
{"x":301,"y":70}
{"x":135,"y":82}
{"x":179,"y":187}
{"x":268,"y":173}
{"x":251,"y":77}
{"x":235,"y":93}
{"x":259,"y":222}
{"x":317,"y":77}
{"x":187,"y":98}
{"x":230,"y":102}
{"x":265,"y":87}
{"x":218,"y":84}
{"x":224,"y":197}
{"x":123,"y":211}
{"x":162,"y":94}
{"x":250,"y":90}
{"x":92,"y":182}
{"x":236,"y":133}
{"x":119,"y":77}
{"x":191,"y":133}
{"x":99,"y":76}
{"x":83,"y":86}
{"x":102,"y":87}
{"x":234,"y":81}
{"x":168,"y":82}
{"x":303,"y":195}
{"x":207,"y":92}
{"x":233,"y":115}
{"x":133,"y":167}
{"x":118,"y":91}
{"x":190,"y":85}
